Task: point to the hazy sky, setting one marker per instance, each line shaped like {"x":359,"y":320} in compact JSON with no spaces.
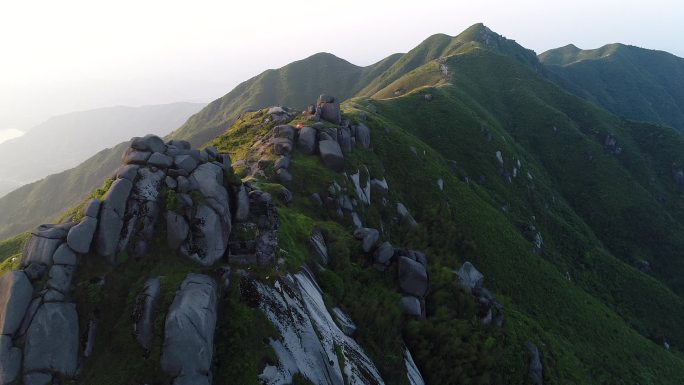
{"x":66,"y":55}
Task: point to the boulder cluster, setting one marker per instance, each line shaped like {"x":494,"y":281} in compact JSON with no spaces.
{"x":469,"y":278}
{"x":39,"y":324}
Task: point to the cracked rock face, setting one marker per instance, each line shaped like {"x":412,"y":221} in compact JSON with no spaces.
{"x":52,"y":340}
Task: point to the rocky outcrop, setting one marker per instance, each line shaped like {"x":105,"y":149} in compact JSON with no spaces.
{"x":319,"y":246}
{"x":328,"y":109}
{"x":369,"y":237}
{"x":331,"y":154}
{"x":414,"y":376}
{"x":189,"y":331}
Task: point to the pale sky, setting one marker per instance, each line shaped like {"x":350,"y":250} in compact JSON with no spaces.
{"x":67,"y":55}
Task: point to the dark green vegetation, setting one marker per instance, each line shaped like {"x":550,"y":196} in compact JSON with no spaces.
{"x":599,"y":300}
{"x":629,"y":81}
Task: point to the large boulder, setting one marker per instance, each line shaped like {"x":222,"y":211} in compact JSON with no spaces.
{"x":15,"y":296}
{"x":151,"y":143}
{"x":132,"y":156}
{"x":344,"y":139}
{"x":185,"y":162}
{"x":284,"y":131}
{"x":331,"y":153}
{"x":111,"y":217}
{"x":81,"y":236}
{"x":117,"y":195}
{"x":92,"y":208}
{"x":52,"y":340}
{"x":208,"y":178}
{"x":330,"y":112}
{"x":128,"y":171}
{"x":469,"y":277}
{"x":383,"y":255}
{"x":143,"y":313}
{"x":306,"y":143}
{"x":363,"y":136}
{"x":10,"y":360}
{"x":189,"y":330}
{"x":413,"y":277}
{"x":282,"y":146}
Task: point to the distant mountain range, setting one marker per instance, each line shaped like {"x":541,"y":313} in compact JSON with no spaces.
{"x":64,"y":141}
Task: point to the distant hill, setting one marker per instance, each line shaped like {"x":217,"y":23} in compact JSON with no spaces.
{"x":633,"y":82}
{"x":64,"y":141}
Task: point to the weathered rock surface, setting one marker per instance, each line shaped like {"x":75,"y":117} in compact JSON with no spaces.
{"x":413,"y":277}
{"x":318,"y":244}
{"x":160,"y":160}
{"x":144,"y":311}
{"x":331,"y":153}
{"x":52,"y":340}
{"x":92,"y":208}
{"x":15,"y":296}
{"x":60,"y":278}
{"x":189,"y":331}
{"x":242,"y":209}
{"x":383,"y":255}
{"x":64,"y":255}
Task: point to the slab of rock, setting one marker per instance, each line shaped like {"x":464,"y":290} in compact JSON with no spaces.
{"x":108,"y":232}
{"x":469,"y":277}
{"x":410,"y":305}
{"x":15,"y":296}
{"x":64,"y":255}
{"x":132,"y":156}
{"x":51,"y":231}
{"x":363,"y":136}
{"x":331,"y":153}
{"x":52,"y":340}
{"x":189,"y":330}
{"x":306,"y":143}
{"x":80,"y":236}
{"x":177,"y":229}
{"x":369,"y":237}
{"x":344,"y":321}
{"x":143,"y":313}
{"x":10,"y":360}
{"x":413,"y":277}
{"x":160,"y":160}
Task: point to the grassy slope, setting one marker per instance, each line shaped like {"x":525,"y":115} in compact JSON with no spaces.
{"x":633,"y":82}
